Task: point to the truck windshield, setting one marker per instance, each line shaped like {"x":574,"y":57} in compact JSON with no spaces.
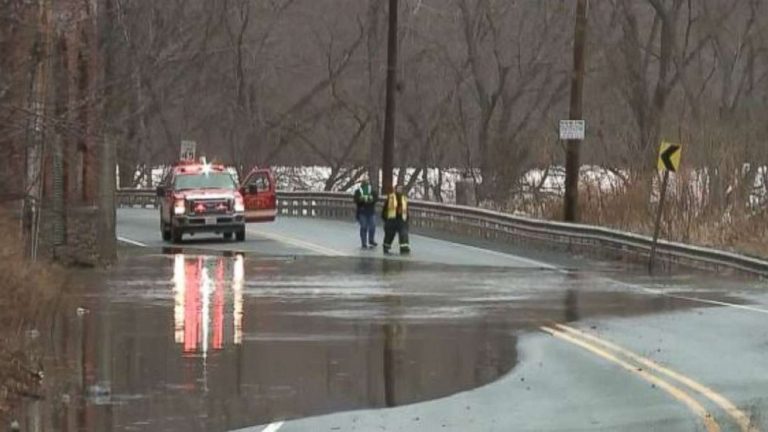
{"x":205,"y":181}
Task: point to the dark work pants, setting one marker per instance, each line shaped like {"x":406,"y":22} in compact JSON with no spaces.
{"x":399,"y":227}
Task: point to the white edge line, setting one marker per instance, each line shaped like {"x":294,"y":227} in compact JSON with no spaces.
{"x":618,"y":282}
{"x":701,"y":300}
{"x":273,"y":427}
{"x":330,"y":252}
{"x":681,"y":297}
{"x":131,"y":242}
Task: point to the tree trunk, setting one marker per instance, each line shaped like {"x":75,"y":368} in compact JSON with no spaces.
{"x":106,"y":202}
{"x":35,"y":130}
{"x":104,"y":114}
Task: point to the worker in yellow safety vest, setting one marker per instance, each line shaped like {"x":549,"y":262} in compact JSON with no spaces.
{"x":395,"y":215}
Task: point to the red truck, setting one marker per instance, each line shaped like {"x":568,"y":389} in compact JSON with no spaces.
{"x":259,"y":195}
{"x":205,"y":198}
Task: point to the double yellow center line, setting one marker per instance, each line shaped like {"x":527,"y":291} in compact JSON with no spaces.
{"x":674,"y":383}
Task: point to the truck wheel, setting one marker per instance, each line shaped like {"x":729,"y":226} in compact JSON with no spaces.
{"x":240,"y":235}
{"x":176,"y":235}
{"x":165,"y":232}
{"x":228,"y":236}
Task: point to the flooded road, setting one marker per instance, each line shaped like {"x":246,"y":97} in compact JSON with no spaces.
{"x":175,"y":342}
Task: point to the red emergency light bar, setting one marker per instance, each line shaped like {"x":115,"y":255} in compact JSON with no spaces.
{"x":191,"y":167}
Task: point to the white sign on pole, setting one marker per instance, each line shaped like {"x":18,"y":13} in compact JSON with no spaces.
{"x":188,"y":149}
{"x":572,"y":129}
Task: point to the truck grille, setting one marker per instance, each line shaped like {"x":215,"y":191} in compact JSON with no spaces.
{"x":210,"y":207}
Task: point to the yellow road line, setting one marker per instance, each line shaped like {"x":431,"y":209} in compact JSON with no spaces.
{"x":741,"y":418}
{"x":322,"y":250}
{"x":709,"y":422}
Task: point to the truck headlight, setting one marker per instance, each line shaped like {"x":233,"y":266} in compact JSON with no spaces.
{"x":179,"y":207}
{"x":239,"y":205}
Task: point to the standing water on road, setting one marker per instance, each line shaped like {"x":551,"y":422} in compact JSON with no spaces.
{"x":213,"y":343}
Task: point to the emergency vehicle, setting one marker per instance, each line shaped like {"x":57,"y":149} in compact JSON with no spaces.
{"x":259,"y":195}
{"x":205,"y":198}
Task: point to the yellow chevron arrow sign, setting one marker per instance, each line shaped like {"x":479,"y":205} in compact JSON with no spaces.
{"x":669,"y":156}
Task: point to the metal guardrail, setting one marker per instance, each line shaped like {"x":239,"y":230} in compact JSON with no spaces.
{"x":136,"y":198}
{"x":495,"y":226}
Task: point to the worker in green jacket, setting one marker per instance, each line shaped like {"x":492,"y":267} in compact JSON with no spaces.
{"x":365,"y":199}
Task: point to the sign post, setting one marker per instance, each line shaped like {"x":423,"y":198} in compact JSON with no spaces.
{"x":188,"y":149}
{"x":572,"y":132}
{"x":669,"y":161}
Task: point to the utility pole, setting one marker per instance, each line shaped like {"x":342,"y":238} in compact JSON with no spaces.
{"x":572,"y":163}
{"x":389,"y":113}
{"x":375,"y":9}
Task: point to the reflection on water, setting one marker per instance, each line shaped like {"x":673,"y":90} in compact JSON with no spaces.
{"x":213,"y":343}
{"x":201,"y":292}
{"x":205,"y":288}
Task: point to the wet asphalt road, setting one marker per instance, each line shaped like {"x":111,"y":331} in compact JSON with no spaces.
{"x":305,"y":332}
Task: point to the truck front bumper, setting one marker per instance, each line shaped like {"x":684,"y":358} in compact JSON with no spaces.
{"x":220,"y":224}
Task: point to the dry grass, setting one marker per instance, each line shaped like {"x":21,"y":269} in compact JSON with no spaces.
{"x":685,"y":218}
{"x":25,"y":291}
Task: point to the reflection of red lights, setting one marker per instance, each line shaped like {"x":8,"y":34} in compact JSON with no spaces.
{"x":237,"y":292}
{"x":192,"y":305}
{"x":218,"y":306}
{"x":200,"y":302}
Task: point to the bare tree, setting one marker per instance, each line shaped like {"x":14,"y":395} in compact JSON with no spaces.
{"x":515,"y":78}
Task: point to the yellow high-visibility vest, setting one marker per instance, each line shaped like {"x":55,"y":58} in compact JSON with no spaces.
{"x":392,"y":207}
